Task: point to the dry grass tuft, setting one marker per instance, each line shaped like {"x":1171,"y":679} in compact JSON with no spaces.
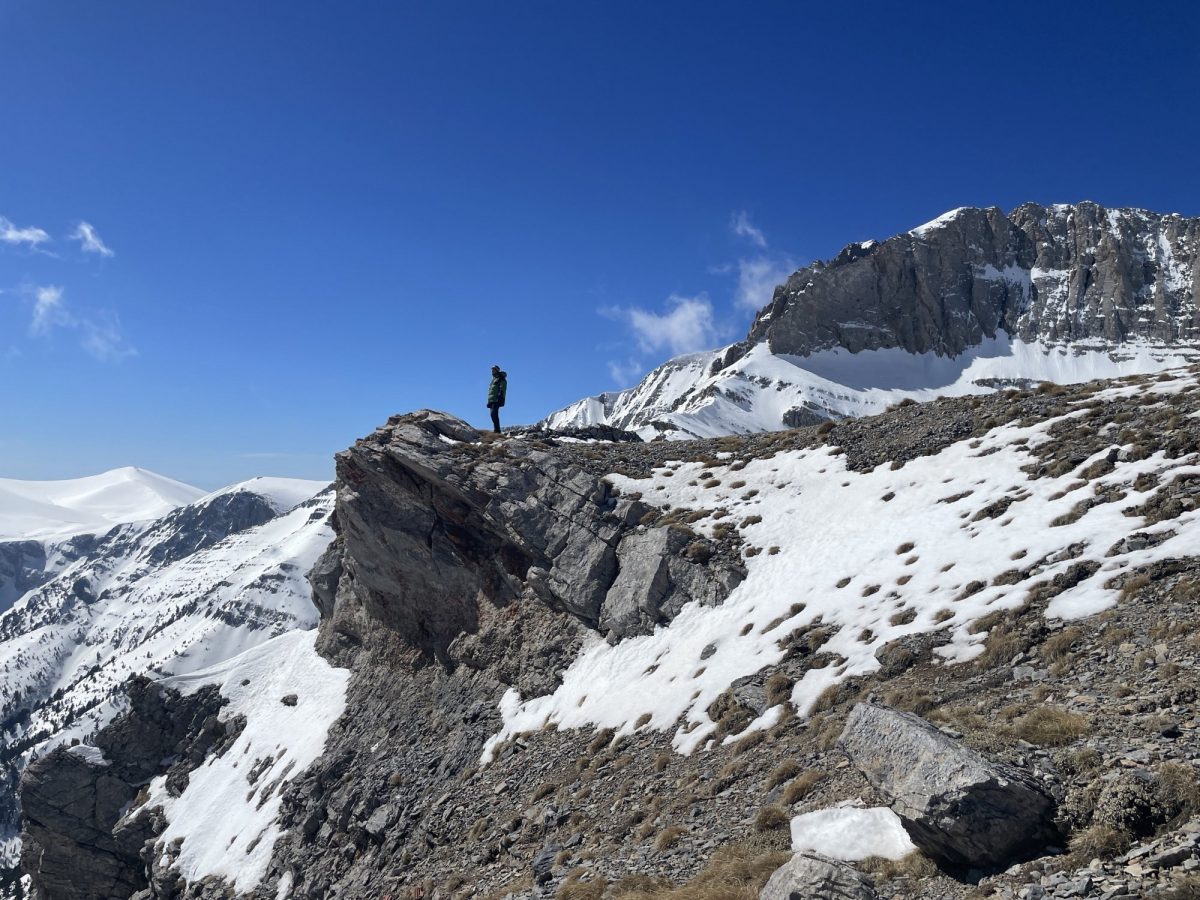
{"x":1059,"y":646}
{"x":802,"y":785}
{"x":785,"y":771}
{"x":915,"y":865}
{"x":1050,"y":726}
{"x":771,"y":818}
{"x":1098,"y":841}
{"x":779,"y":689}
{"x":736,"y":872}
{"x":668,"y":837}
{"x":578,"y":889}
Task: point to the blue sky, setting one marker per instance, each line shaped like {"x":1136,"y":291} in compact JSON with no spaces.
{"x":317,"y":214}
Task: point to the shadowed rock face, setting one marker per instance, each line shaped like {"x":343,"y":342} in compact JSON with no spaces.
{"x":75,"y":843}
{"x":1060,"y":273}
{"x":433,"y":521}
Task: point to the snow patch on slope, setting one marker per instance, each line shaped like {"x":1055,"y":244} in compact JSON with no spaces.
{"x":226,"y":819}
{"x":852,"y":833}
{"x":839,"y":563}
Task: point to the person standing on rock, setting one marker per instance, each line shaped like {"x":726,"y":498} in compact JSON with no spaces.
{"x":496,"y":391}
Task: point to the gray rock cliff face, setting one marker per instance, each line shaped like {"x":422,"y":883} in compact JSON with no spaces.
{"x":435,"y":523}
{"x":77,"y":838}
{"x":1060,"y":273}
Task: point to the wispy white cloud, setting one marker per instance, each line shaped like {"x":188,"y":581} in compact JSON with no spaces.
{"x":757,"y":279}
{"x":49,"y":311}
{"x":743,"y":227}
{"x":89,"y":240}
{"x":100,"y":333}
{"x":104,"y":340}
{"x":11,"y":234}
{"x":625,"y":372}
{"x":688,"y":324}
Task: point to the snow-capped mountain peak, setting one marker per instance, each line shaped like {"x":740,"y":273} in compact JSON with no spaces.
{"x":58,"y":509}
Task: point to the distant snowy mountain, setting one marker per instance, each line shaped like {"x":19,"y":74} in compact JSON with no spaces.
{"x":47,"y":510}
{"x":198,"y":583}
{"x":971,"y":301}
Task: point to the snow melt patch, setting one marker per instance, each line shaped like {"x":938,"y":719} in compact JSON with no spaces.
{"x":838,"y":556}
{"x":226,"y":818}
{"x":852,"y":834}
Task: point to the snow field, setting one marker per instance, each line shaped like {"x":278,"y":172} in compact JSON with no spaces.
{"x":44,"y":510}
{"x":844,"y":562}
{"x":226,"y":817}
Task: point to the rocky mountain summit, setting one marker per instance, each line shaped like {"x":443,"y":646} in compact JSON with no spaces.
{"x":947,"y":651}
{"x":974,"y":300}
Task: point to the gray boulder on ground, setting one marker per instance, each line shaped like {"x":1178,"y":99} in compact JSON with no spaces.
{"x":810,"y":876}
{"x":964,"y":811}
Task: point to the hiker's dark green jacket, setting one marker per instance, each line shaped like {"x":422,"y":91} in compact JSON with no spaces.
{"x":497,"y":389}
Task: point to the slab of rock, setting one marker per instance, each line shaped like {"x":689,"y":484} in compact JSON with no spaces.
{"x":964,"y":811}
{"x":810,"y":876}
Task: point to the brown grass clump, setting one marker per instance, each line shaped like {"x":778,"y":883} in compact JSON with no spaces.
{"x":602,"y":739}
{"x":545,"y":789}
{"x":1098,"y":841}
{"x":1178,"y":788}
{"x":668,"y":837}
{"x":802,"y":785}
{"x":1059,"y":646}
{"x":753,"y":739}
{"x":735,"y":872}
{"x":779,"y":689}
{"x":771,"y":818}
{"x":786,"y":770}
{"x":1133,"y":585}
{"x":578,"y":889}
{"x":1050,"y":726}
{"x":915,"y":865}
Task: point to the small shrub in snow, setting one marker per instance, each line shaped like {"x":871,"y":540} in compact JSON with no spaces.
{"x":779,"y":688}
{"x":698,"y":552}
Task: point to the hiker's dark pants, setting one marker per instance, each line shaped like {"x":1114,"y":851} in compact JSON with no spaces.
{"x":495,"y":408}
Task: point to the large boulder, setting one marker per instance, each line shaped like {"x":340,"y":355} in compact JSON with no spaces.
{"x":965,"y":811}
{"x":810,"y":876}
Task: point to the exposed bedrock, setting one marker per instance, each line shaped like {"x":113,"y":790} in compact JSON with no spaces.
{"x":78,"y":842}
{"x":964,"y":811}
{"x":1059,"y":273}
{"x":433,"y":521}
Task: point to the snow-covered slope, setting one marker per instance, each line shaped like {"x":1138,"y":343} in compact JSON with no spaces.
{"x":873,"y":556}
{"x":696,"y":396}
{"x":46,"y":510}
{"x":971,"y":301}
{"x":185,"y":591}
